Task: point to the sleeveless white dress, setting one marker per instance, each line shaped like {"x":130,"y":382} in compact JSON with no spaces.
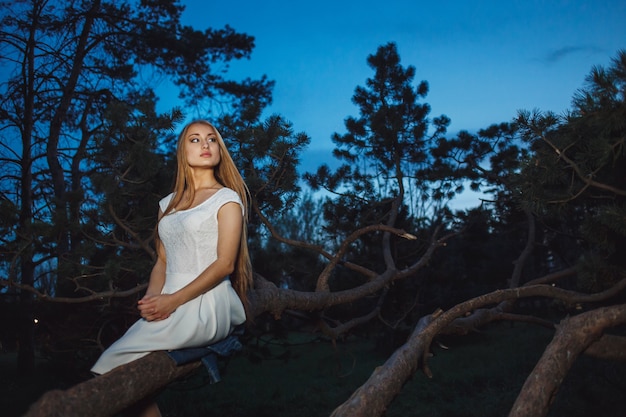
{"x":190,"y":241}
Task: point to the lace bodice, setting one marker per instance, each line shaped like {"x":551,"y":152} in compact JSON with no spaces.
{"x":190,"y":236}
{"x":190,"y":241}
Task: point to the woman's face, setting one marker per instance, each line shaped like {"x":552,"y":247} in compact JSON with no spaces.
{"x":202,"y":149}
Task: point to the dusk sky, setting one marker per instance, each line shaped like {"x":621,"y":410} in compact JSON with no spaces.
{"x":483,"y":60}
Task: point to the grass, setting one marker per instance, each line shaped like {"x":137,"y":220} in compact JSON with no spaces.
{"x":17,"y":391}
{"x":478,"y":375}
{"x":304,"y":379}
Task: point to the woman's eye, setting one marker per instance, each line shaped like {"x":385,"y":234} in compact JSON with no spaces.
{"x":194,"y":140}
{"x":212,"y":140}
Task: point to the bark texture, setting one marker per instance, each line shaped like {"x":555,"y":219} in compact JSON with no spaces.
{"x":573,"y":336}
{"x":114,"y":391}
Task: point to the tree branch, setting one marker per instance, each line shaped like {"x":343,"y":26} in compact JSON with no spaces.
{"x":573,"y":336}
{"x":374,"y":396}
{"x":108,"y":394}
{"x":74,"y":300}
{"x":586,"y":179}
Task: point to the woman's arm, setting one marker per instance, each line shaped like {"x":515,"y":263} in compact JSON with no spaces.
{"x":230,"y":223}
{"x":157,"y":278}
{"x":156,"y":282}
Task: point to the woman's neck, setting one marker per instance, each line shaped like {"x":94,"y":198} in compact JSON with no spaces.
{"x":205,"y":181}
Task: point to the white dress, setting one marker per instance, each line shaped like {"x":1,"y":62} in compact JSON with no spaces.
{"x":190,"y":241}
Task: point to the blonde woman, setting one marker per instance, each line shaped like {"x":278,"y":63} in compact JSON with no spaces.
{"x":198,"y":285}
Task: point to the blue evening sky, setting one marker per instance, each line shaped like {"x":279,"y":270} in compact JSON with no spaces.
{"x":483,"y":60}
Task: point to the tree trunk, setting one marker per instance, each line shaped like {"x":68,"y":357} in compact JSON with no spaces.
{"x":26,"y":335}
{"x":573,"y":336}
{"x":108,"y":394}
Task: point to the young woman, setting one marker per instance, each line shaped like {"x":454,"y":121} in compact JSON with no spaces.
{"x":197,"y":289}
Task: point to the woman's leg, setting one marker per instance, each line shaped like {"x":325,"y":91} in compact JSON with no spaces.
{"x":151,"y":410}
{"x":144,"y":408}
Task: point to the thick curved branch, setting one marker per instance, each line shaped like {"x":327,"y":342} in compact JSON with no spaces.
{"x":114,"y":391}
{"x":573,"y":336}
{"x":268,"y":297}
{"x":483,"y":316}
{"x":322,"y":283}
{"x":609,"y":347}
{"x":300,"y":244}
{"x":275,"y":300}
{"x":375,"y":395}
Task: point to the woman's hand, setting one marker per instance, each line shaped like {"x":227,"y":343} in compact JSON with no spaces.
{"x":156,"y":307}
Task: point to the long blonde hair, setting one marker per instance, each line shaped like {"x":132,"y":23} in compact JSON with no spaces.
{"x":227,"y":174}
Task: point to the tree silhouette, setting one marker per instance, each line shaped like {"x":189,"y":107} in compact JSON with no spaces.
{"x":72,"y":71}
{"x":385,"y":221}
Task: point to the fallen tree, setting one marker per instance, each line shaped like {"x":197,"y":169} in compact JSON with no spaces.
{"x":115,"y":391}
{"x":121,"y":388}
{"x":520,"y":180}
{"x":578,"y":333}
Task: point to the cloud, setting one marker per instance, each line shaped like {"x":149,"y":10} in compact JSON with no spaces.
{"x":557,"y":55}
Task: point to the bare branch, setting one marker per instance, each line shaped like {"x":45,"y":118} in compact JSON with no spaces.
{"x":114,"y":293}
{"x":114,"y":391}
{"x":554,"y":277}
{"x":585,"y":178}
{"x":573,"y":336}
{"x":338,"y":330}
{"x":322,"y":284}
{"x":143,"y":243}
{"x":374,"y":396}
{"x":609,"y":347}
{"x":268,"y":297}
{"x":435,"y":243}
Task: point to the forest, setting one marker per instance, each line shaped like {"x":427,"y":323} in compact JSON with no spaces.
{"x":365,"y":248}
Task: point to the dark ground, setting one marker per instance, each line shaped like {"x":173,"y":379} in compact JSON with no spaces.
{"x":478,"y":375}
